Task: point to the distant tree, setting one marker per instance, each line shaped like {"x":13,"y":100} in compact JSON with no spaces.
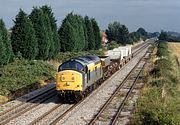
{"x":117,"y":32}
{"x":142,"y":31}
{"x":155,"y":34}
{"x":23,"y":37}
{"x":124,"y":34}
{"x":163,"y":36}
{"x":134,"y":37}
{"x":6,"y":53}
{"x":90,"y":34}
{"x":97,"y":36}
{"x":51,"y":23}
{"x":41,"y":25}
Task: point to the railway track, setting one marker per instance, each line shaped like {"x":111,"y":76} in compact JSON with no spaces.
{"x":132,"y":78}
{"x":56,"y":119}
{"x":25,"y":106}
{"x":33,"y":102}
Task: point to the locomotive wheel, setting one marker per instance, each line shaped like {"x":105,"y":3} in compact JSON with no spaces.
{"x":78,"y":96}
{"x":61,"y":98}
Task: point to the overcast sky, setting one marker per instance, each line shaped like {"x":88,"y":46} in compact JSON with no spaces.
{"x":153,"y":15}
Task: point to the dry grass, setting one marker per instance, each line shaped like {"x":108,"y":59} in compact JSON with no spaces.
{"x":175,"y":49}
{"x":3,"y":99}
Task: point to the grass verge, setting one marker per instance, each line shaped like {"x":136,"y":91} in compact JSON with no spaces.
{"x":159,"y":103}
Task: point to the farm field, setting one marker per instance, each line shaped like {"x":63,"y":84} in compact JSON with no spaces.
{"x":175,"y":49}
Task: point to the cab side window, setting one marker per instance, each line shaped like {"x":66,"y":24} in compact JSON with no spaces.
{"x":89,"y":75}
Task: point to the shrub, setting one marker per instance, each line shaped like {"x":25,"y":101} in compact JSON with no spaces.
{"x":21,"y":73}
{"x":112,"y":45}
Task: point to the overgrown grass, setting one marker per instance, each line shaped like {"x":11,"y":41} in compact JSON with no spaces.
{"x":160,"y":100}
{"x":22,"y":73}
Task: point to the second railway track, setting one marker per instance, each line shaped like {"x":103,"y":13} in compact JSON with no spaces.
{"x":111,"y":110}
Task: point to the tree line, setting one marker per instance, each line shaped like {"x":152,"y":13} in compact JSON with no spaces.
{"x":79,"y":34}
{"x":36,"y":36}
{"x":168,"y":36}
{"x":120,"y":33}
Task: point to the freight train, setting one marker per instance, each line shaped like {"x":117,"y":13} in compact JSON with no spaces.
{"x":79,"y":76}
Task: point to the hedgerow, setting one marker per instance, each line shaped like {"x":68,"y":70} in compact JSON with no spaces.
{"x":112,"y":45}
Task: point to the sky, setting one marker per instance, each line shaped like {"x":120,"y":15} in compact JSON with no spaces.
{"x":152,"y":15}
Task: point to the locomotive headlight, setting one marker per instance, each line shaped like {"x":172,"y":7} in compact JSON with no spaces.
{"x":62,"y":78}
{"x":72,"y":78}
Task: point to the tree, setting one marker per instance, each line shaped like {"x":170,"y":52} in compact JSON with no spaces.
{"x":117,"y":32}
{"x":77,"y":24}
{"x":55,"y":43}
{"x":85,"y":36}
{"x":41,"y":26}
{"x":163,"y":36}
{"x":134,"y":37}
{"x":23,"y":37}
{"x":67,"y":34}
{"x":90,"y":34}
{"x":75,"y":41}
{"x":142,"y":31}
{"x":6,"y":53}
{"x":97,"y":36}
{"x":2,"y":51}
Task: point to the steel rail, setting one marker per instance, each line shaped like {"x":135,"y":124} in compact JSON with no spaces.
{"x":115,"y":118}
{"x":28,"y":107}
{"x":114,"y":93}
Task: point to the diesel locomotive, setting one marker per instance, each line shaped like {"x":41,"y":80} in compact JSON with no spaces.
{"x":79,"y":76}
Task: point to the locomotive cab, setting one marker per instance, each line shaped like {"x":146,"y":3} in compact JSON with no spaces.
{"x":76,"y":76}
{"x":69,"y":80}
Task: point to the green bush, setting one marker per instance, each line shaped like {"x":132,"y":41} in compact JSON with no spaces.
{"x":21,"y":73}
{"x":162,"y":50}
{"x":112,"y":45}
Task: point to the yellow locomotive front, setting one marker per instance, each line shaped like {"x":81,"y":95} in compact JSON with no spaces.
{"x":77,"y":77}
{"x":69,"y":80}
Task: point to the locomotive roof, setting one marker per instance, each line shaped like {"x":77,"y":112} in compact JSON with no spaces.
{"x":85,"y":60}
